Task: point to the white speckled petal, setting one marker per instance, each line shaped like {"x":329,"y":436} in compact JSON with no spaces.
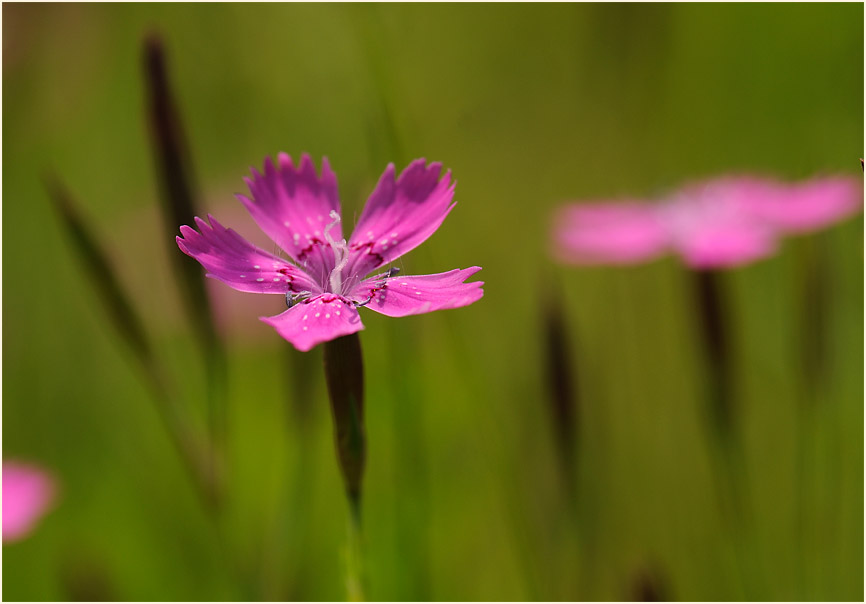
{"x":316,"y":320}
{"x":414,"y":295}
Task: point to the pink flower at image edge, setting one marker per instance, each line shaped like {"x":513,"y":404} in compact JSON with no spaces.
{"x":725,"y":222}
{"x":325,"y":281}
{"x":28,"y":493}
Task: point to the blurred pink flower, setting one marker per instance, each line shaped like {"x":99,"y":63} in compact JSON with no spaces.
{"x":28,"y":492}
{"x":718,"y":223}
{"x":327,"y":282}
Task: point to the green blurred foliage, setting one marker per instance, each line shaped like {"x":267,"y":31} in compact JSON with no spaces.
{"x":529,"y":106}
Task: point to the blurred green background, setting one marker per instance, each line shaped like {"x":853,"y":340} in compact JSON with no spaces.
{"x":529,"y":106}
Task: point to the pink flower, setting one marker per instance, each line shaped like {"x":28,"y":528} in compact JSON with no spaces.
{"x":28,"y":492}
{"x":327,"y":279}
{"x":719,"y":223}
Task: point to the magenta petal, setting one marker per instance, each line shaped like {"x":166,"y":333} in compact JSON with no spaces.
{"x":414,"y":295}
{"x":238,"y":263}
{"x":400,"y":215}
{"x":316,"y":320}
{"x":609,"y":233}
{"x":292,"y":204}
{"x":28,"y":492}
{"x":807,"y":206}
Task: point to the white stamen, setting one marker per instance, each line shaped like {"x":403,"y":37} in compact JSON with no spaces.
{"x":341,"y":255}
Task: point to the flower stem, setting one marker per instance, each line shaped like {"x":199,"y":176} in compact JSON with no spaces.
{"x":354,"y":555}
{"x":344,"y":374}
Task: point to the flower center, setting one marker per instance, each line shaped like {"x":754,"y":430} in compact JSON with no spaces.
{"x":341,"y":256}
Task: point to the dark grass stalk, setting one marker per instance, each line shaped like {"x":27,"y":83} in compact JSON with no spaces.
{"x":813,"y":325}
{"x":180,"y":195}
{"x":723,"y":420}
{"x":127,"y":322}
{"x":562,"y":398}
{"x":85,"y":578}
{"x":816,"y":286}
{"x":648,"y":585}
{"x":344,"y":375}
{"x":716,"y":344}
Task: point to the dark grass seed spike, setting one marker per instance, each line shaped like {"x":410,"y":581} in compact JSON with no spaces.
{"x":173,"y":163}
{"x":103,"y":278}
{"x":127,"y":322}
{"x":179,"y":204}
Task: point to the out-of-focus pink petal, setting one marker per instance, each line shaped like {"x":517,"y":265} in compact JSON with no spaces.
{"x":609,"y":233}
{"x":236,"y":262}
{"x":417,"y":294}
{"x":292,"y":204}
{"x":316,"y":320}
{"x":807,"y":206}
{"x":400,"y":215}
{"x":725,"y":245}
{"x":28,"y":493}
{"x":711,"y":226}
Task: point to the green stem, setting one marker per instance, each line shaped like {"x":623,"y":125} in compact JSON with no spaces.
{"x":354,"y":554}
{"x":344,"y":374}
